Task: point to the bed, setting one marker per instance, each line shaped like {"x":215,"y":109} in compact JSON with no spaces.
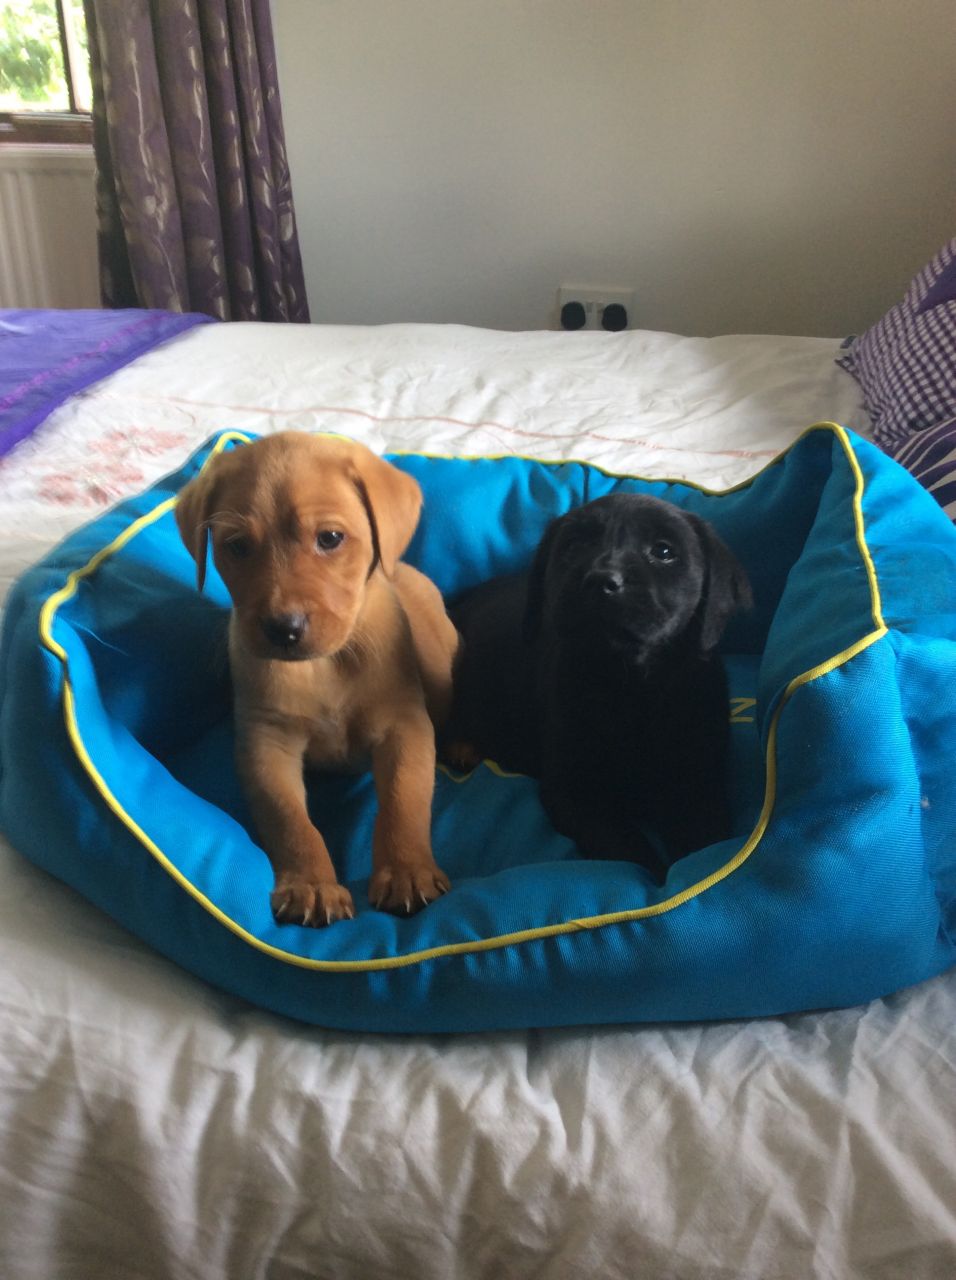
{"x":151,"y":1126}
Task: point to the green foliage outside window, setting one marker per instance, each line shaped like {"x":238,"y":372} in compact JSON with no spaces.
{"x":32,"y":72}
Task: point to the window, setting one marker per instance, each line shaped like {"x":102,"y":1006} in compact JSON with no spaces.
{"x":45,"y":93}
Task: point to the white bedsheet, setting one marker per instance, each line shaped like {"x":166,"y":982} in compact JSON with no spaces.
{"x":151,"y":1127}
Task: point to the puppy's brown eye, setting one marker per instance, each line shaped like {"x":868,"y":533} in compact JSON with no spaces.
{"x":663,"y":551}
{"x":238,"y":548}
{"x":329,"y":539}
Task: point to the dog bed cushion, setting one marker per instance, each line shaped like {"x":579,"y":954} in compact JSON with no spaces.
{"x":838,"y":885}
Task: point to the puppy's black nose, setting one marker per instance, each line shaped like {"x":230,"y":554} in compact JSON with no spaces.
{"x":608,"y":581}
{"x":285,"y":630}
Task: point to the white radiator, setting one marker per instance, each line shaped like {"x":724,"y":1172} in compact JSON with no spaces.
{"x":47,"y":227}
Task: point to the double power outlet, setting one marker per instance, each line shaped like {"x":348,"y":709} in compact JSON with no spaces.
{"x":594,"y":301}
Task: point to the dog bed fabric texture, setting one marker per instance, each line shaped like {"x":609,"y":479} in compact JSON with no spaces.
{"x":838,"y":885}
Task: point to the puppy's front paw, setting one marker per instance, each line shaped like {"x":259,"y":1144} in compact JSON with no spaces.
{"x":406,"y":889}
{"x":299,"y":900}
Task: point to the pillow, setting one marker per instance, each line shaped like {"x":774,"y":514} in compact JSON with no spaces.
{"x":944,"y":289}
{"x":906,"y":363}
{"x":931,"y":457}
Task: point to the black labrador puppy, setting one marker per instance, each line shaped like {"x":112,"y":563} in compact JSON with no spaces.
{"x":597,"y":673}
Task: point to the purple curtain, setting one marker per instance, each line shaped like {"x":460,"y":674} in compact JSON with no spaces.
{"x":193,"y":191}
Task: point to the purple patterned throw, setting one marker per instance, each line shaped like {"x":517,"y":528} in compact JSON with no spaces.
{"x":931,"y":457}
{"x":906,"y":363}
{"x":47,"y":356}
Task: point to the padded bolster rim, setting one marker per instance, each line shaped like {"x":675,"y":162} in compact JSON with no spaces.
{"x":63,"y":594}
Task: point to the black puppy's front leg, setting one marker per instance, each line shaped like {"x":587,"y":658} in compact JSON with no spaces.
{"x":578,"y":805}
{"x":697,"y":817}
{"x":692,"y":808}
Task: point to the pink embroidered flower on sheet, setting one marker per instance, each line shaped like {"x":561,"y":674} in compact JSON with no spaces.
{"x":110,"y":471}
{"x":116,"y":481}
{"x":91,"y":487}
{"x":139,"y":440}
{"x":59,"y":487}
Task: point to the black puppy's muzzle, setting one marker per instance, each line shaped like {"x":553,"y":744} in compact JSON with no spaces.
{"x":613,"y":609}
{"x":606,"y":583}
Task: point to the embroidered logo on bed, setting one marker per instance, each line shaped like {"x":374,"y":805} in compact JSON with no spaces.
{"x":737,"y":708}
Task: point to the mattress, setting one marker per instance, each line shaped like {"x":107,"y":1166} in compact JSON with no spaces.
{"x":151,"y":1126}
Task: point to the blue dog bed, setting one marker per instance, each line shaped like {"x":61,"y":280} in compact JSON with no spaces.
{"x":838,"y":885}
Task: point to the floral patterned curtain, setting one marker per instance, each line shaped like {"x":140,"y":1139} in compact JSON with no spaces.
{"x":193,"y":190}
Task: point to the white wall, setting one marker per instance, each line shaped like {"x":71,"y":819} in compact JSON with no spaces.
{"x":746,"y":165}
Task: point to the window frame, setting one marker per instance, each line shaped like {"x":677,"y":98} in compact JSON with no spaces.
{"x":32,"y":127}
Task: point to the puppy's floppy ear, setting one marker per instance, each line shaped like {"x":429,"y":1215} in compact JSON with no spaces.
{"x":534,"y":604}
{"x":193,"y":509}
{"x":393,"y":503}
{"x":726,"y":587}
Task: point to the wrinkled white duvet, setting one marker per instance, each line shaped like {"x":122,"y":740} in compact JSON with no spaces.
{"x":151,"y":1127}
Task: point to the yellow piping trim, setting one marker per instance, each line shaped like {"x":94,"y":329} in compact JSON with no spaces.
{"x":875,"y":602}
{"x":53,"y":603}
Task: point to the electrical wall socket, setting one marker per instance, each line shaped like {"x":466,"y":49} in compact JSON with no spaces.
{"x":594,"y":300}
